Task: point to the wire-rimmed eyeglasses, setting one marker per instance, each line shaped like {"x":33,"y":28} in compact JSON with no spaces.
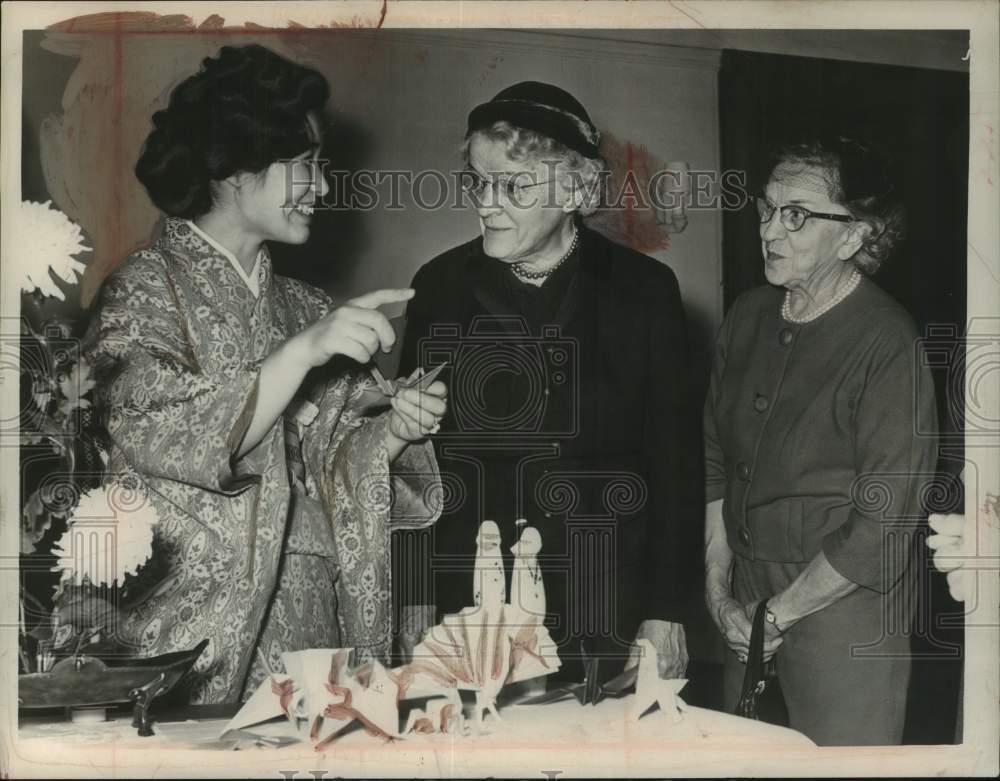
{"x":475,"y":184}
{"x":793,"y":217}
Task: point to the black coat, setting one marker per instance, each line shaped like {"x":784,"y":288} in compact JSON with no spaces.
{"x":586,"y":428}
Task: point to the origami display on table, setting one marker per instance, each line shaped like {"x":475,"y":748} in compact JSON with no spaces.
{"x":479,"y":649}
{"x":321,"y":696}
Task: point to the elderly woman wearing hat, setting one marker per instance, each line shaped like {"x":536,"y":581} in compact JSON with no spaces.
{"x":568,"y":362}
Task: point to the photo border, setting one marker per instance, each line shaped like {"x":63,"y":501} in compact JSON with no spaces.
{"x":978,"y":753}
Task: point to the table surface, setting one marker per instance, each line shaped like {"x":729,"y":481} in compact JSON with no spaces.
{"x":594,"y":740}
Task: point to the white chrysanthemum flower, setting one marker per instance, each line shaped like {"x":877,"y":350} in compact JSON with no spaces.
{"x":43,"y":239}
{"x":108,"y":536}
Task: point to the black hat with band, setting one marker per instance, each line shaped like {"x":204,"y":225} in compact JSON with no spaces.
{"x":544,"y":108}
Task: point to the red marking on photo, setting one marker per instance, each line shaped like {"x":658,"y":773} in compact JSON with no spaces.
{"x":630,"y":218}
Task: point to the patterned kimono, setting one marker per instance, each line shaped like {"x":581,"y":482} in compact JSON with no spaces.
{"x":284,"y":548}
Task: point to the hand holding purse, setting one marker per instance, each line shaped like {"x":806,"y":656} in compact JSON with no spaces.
{"x":761,"y":697}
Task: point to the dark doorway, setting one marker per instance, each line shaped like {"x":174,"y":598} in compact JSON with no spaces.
{"x":922,"y":117}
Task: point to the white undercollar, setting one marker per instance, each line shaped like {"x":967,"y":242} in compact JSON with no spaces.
{"x":252,"y":279}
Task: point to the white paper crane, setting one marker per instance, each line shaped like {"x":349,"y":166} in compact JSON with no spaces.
{"x":651,"y":689}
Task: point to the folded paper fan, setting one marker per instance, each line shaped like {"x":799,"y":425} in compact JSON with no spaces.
{"x":479,"y":649}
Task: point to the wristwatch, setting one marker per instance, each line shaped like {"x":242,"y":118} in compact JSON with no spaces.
{"x":772,"y":619}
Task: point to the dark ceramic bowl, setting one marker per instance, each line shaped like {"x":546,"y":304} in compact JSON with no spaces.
{"x":85,"y":681}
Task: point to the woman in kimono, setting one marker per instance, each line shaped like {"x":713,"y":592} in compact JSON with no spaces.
{"x":233,"y":394}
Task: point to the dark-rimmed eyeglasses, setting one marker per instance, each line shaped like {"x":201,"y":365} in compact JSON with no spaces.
{"x":793,"y":217}
{"x":475,"y":185}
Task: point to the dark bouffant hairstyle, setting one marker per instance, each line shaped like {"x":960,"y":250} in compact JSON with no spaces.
{"x":859,"y":176}
{"x":243,"y":111}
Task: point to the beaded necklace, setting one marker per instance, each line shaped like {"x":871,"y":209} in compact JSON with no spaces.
{"x":786,"y":308}
{"x":522,"y":273}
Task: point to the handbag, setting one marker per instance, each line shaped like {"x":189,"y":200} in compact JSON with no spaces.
{"x":761,"y":697}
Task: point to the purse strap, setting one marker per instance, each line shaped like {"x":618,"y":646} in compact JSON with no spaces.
{"x":755,"y":677}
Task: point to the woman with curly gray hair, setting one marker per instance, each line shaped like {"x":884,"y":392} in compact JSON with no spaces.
{"x":817,"y":452}
{"x":568,"y":364}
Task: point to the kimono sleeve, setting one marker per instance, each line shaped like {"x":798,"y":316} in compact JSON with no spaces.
{"x":342,"y":423}
{"x":346,"y":439}
{"x":363,"y":495}
{"x":168,"y":417}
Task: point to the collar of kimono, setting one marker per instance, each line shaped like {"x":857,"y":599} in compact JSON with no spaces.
{"x":252,"y":279}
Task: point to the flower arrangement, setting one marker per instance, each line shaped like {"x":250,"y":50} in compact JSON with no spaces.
{"x":108,"y":526}
{"x":46,"y":241}
{"x":56,"y":380}
{"x":106,"y":537}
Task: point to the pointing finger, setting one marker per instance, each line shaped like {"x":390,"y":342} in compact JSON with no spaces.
{"x":377,"y":298}
{"x":378,"y":323}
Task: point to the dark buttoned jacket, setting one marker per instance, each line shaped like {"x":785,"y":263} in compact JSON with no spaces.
{"x":822,"y":436}
{"x":582,"y":422}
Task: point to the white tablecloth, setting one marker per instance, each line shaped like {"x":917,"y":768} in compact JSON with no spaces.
{"x":529,"y":741}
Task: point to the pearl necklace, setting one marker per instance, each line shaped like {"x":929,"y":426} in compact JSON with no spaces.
{"x":786,"y":307}
{"x":523,"y":273}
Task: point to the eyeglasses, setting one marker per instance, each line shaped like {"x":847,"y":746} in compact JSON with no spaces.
{"x":793,"y":217}
{"x":475,"y":186}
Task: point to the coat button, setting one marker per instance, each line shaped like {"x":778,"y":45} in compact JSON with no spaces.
{"x":786,"y":336}
{"x":742,"y":471}
{"x":761,"y":403}
{"x":744,"y":536}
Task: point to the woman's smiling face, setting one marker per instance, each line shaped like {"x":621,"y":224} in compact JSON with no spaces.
{"x":515,"y":232}
{"x":278,"y":203}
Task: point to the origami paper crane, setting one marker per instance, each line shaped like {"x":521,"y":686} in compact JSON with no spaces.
{"x":589,"y":691}
{"x":649,"y":687}
{"x":319,"y":687}
{"x":384,"y":389}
